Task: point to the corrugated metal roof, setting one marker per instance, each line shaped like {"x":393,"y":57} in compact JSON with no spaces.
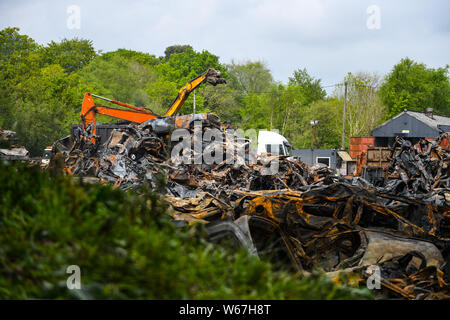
{"x":433,"y":122}
{"x":345,"y":156}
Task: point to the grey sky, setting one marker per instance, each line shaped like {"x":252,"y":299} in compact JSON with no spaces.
{"x":328,"y":37}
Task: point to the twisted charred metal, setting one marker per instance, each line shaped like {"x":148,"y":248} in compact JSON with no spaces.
{"x":299,"y":217}
{"x":9,"y":149}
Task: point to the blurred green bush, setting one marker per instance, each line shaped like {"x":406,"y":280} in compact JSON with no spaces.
{"x":126,"y":247}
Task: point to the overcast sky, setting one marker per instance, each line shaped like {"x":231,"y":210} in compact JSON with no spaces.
{"x":327,"y":37}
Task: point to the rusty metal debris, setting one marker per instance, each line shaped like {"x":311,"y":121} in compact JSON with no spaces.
{"x":213,"y":77}
{"x":126,"y":158}
{"x":422,"y":169}
{"x":301,"y":217}
{"x":9,"y":149}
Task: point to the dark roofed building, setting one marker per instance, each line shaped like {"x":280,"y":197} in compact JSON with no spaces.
{"x":412,"y":125}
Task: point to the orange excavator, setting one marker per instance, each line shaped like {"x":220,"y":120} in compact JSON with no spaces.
{"x":89,"y":109}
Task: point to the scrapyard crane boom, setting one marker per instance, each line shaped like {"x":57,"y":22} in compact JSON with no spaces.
{"x":89,"y":109}
{"x":211,"y":76}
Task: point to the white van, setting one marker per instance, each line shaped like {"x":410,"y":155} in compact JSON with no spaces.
{"x":274,"y":143}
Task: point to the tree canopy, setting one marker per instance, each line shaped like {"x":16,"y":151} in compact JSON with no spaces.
{"x":72,"y":55}
{"x":413,"y":86}
{"x":175,"y":49}
{"x":14,"y":43}
{"x":251,"y":77}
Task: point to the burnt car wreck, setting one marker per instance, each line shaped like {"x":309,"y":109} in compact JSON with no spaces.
{"x":9,"y":149}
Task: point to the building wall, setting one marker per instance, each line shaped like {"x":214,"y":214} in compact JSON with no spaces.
{"x":359,"y":145}
{"x":309,"y":156}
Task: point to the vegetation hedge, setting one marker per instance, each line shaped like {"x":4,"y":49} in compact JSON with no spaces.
{"x":126,"y":248}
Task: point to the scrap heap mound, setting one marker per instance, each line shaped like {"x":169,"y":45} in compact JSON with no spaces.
{"x":9,"y":149}
{"x":129,"y":155}
{"x":420,"y":171}
{"x":299,"y":216}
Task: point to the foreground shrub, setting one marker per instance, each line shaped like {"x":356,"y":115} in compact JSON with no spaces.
{"x":126,"y":248}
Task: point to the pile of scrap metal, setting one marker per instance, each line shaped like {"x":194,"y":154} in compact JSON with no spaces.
{"x":306,"y":217}
{"x":247,"y":175}
{"x":299,"y":216}
{"x":130,"y":155}
{"x":421,"y":170}
{"x":341,"y":227}
{"x":9,"y":150}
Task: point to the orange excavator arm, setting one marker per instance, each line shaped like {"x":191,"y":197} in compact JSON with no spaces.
{"x":89,"y":109}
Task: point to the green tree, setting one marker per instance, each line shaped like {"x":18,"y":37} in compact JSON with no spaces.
{"x":312,"y":88}
{"x":249,"y":77}
{"x":11,"y":42}
{"x":161,"y":94}
{"x":327,"y":133}
{"x":291,"y":107}
{"x":120,"y":78}
{"x":365,"y":110}
{"x":72,"y":55}
{"x":290,"y":112}
{"x":184,"y":66}
{"x":259,"y":111}
{"x":38,"y":99}
{"x":413,"y":86}
{"x":255,"y":110}
{"x":176,"y":49}
{"x":223,"y":101}
{"x":268,"y":105}
{"x":18,"y":62}
{"x":141,"y":57}
{"x":179,"y":69}
{"x":45,"y":107}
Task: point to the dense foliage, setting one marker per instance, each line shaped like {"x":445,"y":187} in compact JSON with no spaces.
{"x":126,"y":247}
{"x":413,"y":86}
{"x":42,"y":86}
